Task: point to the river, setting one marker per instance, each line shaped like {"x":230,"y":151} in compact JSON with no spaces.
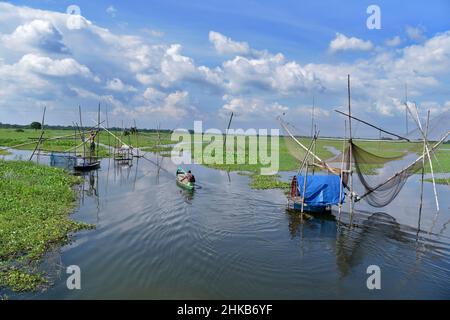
{"x":154,"y":240}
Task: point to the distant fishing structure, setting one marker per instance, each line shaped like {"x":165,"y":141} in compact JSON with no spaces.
{"x":318,"y":193}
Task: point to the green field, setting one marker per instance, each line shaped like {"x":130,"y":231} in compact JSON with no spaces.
{"x":27,"y":140}
{"x":35,"y":203}
{"x":290,"y":155}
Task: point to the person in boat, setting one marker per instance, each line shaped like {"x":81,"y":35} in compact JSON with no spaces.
{"x":189,"y":177}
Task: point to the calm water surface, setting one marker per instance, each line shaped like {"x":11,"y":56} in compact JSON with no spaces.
{"x":154,"y":240}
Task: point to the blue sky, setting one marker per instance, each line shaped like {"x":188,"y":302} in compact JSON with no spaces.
{"x":175,"y":61}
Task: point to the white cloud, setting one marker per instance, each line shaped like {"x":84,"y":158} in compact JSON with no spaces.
{"x":175,"y":105}
{"x":268,"y":72}
{"x":393,"y":42}
{"x":38,"y":34}
{"x":415,"y":33}
{"x":225,"y":45}
{"x":117,"y":85}
{"x":153,"y":32}
{"x":248,"y":108}
{"x":112,"y":11}
{"x":343,"y":43}
{"x":53,"y":67}
{"x":139,"y":75}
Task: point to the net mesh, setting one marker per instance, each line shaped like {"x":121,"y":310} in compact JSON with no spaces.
{"x":365,"y":162}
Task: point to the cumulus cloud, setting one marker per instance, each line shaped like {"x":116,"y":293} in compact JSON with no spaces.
{"x":117,"y":85}
{"x":35,"y":35}
{"x":247,"y":108}
{"x":43,"y":61}
{"x":53,"y":67}
{"x":175,"y":105}
{"x":343,"y":43}
{"x":225,"y":45}
{"x":269,"y":72}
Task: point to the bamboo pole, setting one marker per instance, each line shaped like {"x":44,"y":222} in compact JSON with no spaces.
{"x":40,"y":137}
{"x":312,"y":117}
{"x":419,"y":125}
{"x":82,"y":136}
{"x":136,"y":137}
{"x":350,"y":149}
{"x":226,"y":132}
{"x":406,"y":110}
{"x":341,"y":189}
{"x":423,"y":169}
{"x":107,"y":124}
{"x":373,"y":126}
{"x":98,"y":130}
{"x":305,"y":159}
{"x":304,"y":188}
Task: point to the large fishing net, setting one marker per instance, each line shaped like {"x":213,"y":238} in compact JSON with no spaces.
{"x":378,"y":190}
{"x":373,"y":180}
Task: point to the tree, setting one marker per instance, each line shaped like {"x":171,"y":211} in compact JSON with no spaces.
{"x":35,"y":125}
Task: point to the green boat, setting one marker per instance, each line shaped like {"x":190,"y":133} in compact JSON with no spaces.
{"x":184,"y":183}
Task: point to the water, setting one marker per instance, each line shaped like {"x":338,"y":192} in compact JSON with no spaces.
{"x":154,"y":240}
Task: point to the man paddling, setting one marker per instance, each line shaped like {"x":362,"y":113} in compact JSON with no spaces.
{"x":189,"y":176}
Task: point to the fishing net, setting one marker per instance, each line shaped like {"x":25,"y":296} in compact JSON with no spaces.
{"x":373,"y":180}
{"x":377,"y":193}
{"x":437,"y":127}
{"x":291,"y":137}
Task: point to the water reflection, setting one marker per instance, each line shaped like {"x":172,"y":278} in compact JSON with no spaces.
{"x":154,"y":239}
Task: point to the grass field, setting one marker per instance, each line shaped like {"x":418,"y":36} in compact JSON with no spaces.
{"x":27,"y":138}
{"x":289,"y":153}
{"x":35,"y":203}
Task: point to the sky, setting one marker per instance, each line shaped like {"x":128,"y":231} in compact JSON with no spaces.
{"x":174,"y":62}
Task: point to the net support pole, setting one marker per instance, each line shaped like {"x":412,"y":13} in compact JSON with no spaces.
{"x":304,"y":189}
{"x":82,"y":136}
{"x":424,"y":136}
{"x":423,"y":169}
{"x":136,"y":137}
{"x":350,"y":150}
{"x":342,"y":171}
{"x":38,"y":145}
{"x":98,"y":131}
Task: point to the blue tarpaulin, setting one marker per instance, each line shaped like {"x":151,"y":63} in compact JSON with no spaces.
{"x":321,"y":190}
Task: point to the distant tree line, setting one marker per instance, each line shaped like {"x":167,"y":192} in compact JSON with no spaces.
{"x":37,"y":126}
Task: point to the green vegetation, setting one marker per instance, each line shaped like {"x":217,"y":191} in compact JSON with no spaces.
{"x":35,"y":125}
{"x":442,"y":164}
{"x":35,"y":202}
{"x":439,"y":180}
{"x":261,"y":182}
{"x":27,"y":139}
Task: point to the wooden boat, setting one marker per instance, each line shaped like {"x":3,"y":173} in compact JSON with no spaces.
{"x":321,"y":193}
{"x":87,"y":166}
{"x":184,"y":183}
{"x":297,"y":205}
